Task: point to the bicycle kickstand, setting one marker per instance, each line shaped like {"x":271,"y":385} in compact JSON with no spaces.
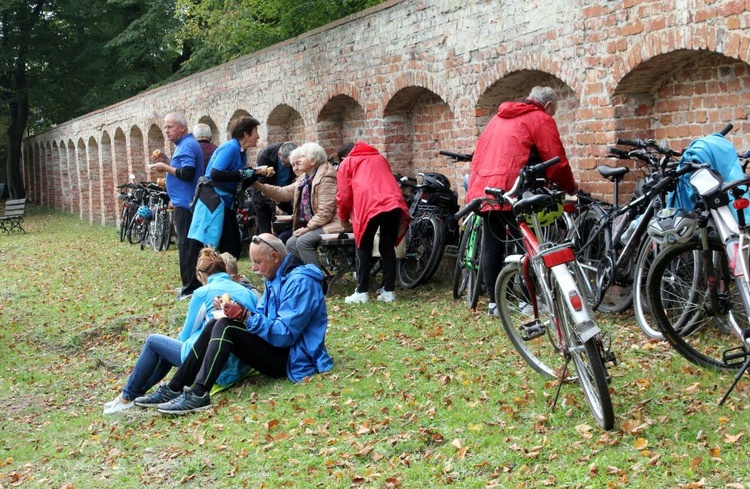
{"x":560,"y":383}
{"x":737,"y":378}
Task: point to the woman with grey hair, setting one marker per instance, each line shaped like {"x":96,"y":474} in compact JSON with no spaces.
{"x":313,"y":197}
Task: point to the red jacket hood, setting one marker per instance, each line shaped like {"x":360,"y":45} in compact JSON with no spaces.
{"x":362,"y":149}
{"x":510,"y":110}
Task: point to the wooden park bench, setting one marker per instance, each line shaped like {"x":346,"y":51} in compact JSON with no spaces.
{"x":10,"y":221}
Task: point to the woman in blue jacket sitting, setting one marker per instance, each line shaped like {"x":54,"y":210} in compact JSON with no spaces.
{"x":160,"y":353}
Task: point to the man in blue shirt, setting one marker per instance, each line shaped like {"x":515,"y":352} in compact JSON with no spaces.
{"x":183,"y":171}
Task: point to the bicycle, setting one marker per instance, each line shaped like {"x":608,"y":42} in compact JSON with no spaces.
{"x":699,"y":284}
{"x":540,"y":303}
{"x":611,"y":243}
{"x":432,"y":207}
{"x":127,"y":193}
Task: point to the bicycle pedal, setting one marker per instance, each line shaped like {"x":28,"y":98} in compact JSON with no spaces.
{"x":735,"y":357}
{"x":532,"y":329}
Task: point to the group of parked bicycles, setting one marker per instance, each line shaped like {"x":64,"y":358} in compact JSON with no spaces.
{"x":146,"y":215}
{"x":681,"y":263}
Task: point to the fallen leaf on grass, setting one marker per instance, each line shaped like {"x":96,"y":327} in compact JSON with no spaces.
{"x":733,"y":438}
{"x":640,"y":443}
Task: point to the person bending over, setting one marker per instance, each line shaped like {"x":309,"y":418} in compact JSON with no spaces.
{"x":284,"y":337}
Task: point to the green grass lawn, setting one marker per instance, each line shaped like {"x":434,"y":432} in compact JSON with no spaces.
{"x":424,"y":393}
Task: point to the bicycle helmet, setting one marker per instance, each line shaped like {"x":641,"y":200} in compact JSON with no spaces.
{"x":550,"y":215}
{"x":671,"y":226}
{"x":437,"y":181}
{"x":144,"y":212}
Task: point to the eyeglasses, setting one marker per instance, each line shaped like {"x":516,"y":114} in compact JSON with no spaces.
{"x":259,"y":240}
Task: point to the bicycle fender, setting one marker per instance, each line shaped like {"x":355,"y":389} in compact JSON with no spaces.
{"x":587,"y":330}
{"x":515,"y":259}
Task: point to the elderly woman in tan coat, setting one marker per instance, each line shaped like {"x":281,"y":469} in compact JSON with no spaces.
{"x":313,"y":197}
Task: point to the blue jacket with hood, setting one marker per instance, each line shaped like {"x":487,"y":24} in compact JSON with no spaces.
{"x":292,"y":313}
{"x":200,"y":312}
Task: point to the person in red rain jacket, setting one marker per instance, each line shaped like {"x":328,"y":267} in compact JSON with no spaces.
{"x":522,"y":133}
{"x":370,"y":197}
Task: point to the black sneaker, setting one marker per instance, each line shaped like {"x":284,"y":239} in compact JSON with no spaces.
{"x":161,"y":395}
{"x":186,"y":403}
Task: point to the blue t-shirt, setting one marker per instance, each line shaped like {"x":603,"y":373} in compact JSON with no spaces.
{"x":187,"y":153}
{"x":227,"y":157}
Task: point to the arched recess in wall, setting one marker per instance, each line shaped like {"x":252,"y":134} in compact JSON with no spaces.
{"x":417,"y":123}
{"x":47,"y":176}
{"x":71,"y":191}
{"x":56,"y":187}
{"x":108,"y":193}
{"x":95,"y":182}
{"x":155,"y":141}
{"x":82,"y":199}
{"x":137,"y":156}
{"x":678,"y":96}
{"x":120,"y":160}
{"x":64,"y":177}
{"x":285,"y":124}
{"x":215,"y":136}
{"x":340,"y":121}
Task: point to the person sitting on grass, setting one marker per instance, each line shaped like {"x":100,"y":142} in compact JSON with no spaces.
{"x":160,"y":353}
{"x":284,"y":337}
{"x":234,"y":273}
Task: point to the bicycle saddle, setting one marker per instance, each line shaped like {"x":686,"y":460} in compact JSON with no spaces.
{"x":613,"y":173}
{"x":533,"y":203}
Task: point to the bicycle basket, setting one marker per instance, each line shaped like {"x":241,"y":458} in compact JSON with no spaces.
{"x":550,"y":215}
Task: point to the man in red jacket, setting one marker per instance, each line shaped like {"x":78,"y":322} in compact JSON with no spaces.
{"x":522,"y":133}
{"x":370,"y":197}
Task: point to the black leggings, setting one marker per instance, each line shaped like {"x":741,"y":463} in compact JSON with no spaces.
{"x":210,"y":352}
{"x":493,"y":245}
{"x":388,"y":223}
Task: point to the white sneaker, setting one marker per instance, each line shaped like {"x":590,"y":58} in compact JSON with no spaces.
{"x":357,"y":298}
{"x":386,"y":296}
{"x":117,"y":405}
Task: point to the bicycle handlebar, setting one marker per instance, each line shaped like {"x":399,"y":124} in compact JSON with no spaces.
{"x":726,"y":129}
{"x":457,"y":156}
{"x":472,"y":206}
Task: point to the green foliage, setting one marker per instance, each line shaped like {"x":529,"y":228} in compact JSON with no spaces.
{"x":221,"y":30}
{"x":424,"y":393}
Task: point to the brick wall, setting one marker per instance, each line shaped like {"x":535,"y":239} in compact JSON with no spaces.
{"x":411,"y":77}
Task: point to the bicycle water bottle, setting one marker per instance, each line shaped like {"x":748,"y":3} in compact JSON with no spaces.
{"x":630,"y":230}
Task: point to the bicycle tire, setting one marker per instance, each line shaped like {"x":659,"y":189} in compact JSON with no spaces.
{"x":460,"y":271}
{"x":124,"y":218}
{"x":145,"y":236}
{"x":542,"y":353}
{"x":641,"y":307}
{"x":135,"y":230}
{"x":474,"y":287}
{"x":595,"y":263}
{"x":424,"y":240}
{"x":678,"y":299}
{"x":167,"y":231}
{"x":591,"y":373}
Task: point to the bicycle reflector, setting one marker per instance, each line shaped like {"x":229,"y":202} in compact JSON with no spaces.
{"x":741,"y":203}
{"x":557,"y":256}
{"x":575,"y":300}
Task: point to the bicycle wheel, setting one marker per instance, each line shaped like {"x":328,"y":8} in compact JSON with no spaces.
{"x":167,"y":231}
{"x":145,"y":234}
{"x":424,"y":243}
{"x":677,"y":291}
{"x":641,"y":307}
{"x":474,"y":263}
{"x":460,"y":271}
{"x":124,"y":219}
{"x":592,"y":376}
{"x":135,"y":229}
{"x":596,"y":265}
{"x":534,"y":339}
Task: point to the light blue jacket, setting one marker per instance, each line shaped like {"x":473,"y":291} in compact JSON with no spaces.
{"x":716,"y":150}
{"x":200,"y":312}
{"x":292,"y":313}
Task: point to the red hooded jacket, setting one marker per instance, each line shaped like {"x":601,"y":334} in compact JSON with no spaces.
{"x":366,"y":188}
{"x":521,"y":133}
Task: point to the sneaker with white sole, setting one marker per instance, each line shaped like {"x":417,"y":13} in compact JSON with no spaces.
{"x":186,"y":403}
{"x":357,"y":298}
{"x":161,"y":395}
{"x":525,"y":308}
{"x":386,"y":296}
{"x":118,"y":405}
